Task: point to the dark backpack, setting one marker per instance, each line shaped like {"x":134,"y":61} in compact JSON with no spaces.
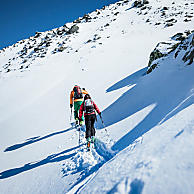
{"x":77,"y":92}
{"x":88,"y":106}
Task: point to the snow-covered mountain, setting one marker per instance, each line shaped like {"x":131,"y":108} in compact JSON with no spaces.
{"x":135,"y":58}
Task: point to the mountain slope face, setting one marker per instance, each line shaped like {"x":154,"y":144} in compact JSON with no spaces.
{"x":161,"y":160}
{"x":146,"y":103}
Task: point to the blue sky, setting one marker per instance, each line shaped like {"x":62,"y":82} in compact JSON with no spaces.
{"x":22,"y":18}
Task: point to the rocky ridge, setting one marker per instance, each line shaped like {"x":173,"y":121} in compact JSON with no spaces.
{"x":43,"y":44}
{"x":181,"y":45}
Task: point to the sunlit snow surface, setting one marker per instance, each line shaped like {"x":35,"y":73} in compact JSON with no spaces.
{"x":147,"y":144}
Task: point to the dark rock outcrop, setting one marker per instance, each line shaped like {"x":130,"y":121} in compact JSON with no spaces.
{"x":182,"y":44}
{"x":140,"y":3}
{"x":73,"y":29}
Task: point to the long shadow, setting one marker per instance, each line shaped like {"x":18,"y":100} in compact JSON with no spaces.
{"x":50,"y":159}
{"x":128,"y":81}
{"x":35,"y":139}
{"x":169,"y":93}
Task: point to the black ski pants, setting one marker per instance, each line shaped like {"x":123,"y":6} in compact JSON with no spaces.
{"x":89,"y":122}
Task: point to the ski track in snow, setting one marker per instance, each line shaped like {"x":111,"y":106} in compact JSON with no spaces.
{"x":86,"y":163}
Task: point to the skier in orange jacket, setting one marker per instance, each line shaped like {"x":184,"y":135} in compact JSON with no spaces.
{"x":76,"y":99}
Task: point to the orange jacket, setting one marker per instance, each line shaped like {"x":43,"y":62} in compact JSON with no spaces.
{"x":75,"y":100}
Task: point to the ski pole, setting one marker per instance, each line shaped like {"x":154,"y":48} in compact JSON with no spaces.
{"x":103,"y":123}
{"x":108,"y":135}
{"x":71,"y":115}
{"x":79,"y":135}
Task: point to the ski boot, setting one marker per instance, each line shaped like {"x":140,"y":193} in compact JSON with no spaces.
{"x":88,"y":143}
{"x":81,"y":123}
{"x":93,"y":141}
{"x":76,"y":121}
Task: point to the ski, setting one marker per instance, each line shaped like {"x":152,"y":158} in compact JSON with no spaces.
{"x":88,"y":145}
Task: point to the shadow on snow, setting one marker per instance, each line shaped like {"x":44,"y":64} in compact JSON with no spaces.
{"x":170,"y":92}
{"x":129,"y":80}
{"x":35,"y":139}
{"x":50,"y":159}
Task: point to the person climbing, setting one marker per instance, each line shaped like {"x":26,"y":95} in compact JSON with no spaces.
{"x":76,"y":99}
{"x":88,"y":107}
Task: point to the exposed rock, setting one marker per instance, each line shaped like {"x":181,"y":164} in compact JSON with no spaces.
{"x":73,"y":29}
{"x":189,"y":16}
{"x":89,"y":41}
{"x":188,"y":32}
{"x":178,"y":37}
{"x":140,"y":3}
{"x":145,"y":2}
{"x":59,"y":32}
{"x":163,"y":13}
{"x":180,"y":43}
{"x":61,"y":49}
{"x":96,"y":37}
{"x":158,"y":23}
{"x":30,"y":47}
{"x":156,"y":54}
{"x":165,"y":8}
{"x":25,"y":60}
{"x":171,"y":20}
{"x":36,"y":49}
{"x":37,"y":34}
{"x":8,"y":70}
{"x":152,"y":68}
{"x":187,"y":20}
{"x":6,"y":66}
{"x":87,"y":18}
{"x":116,"y":13}
{"x":48,"y":44}
{"x":168,"y":25}
{"x":104,"y":7}
{"x":126,"y":1}
{"x":77,"y":21}
{"x":143,"y":8}
{"x":189,"y":55}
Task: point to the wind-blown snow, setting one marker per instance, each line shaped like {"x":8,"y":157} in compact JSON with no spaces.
{"x":147,"y":144}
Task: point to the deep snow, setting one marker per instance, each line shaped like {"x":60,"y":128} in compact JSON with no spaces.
{"x":147,"y":145}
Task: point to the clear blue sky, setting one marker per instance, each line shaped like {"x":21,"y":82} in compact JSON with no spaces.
{"x":22,"y":18}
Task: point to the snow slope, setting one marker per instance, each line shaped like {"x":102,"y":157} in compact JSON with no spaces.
{"x":147,"y":144}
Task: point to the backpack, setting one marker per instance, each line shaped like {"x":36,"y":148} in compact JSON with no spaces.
{"x":88,"y":106}
{"x":77,"y":92}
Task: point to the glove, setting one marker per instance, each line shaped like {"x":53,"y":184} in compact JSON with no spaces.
{"x":71,"y":105}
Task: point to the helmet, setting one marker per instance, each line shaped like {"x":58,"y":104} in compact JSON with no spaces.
{"x":87,"y":96}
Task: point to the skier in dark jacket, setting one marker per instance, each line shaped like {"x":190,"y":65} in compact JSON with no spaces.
{"x":89,"y":107}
